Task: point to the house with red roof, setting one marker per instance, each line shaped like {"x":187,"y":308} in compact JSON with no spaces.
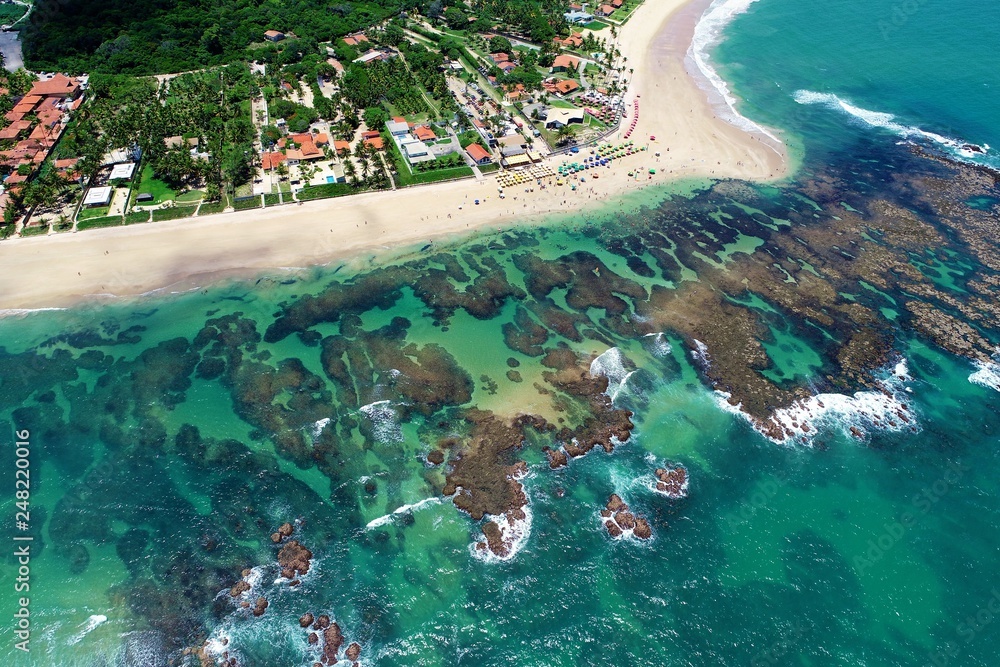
{"x":59,"y":86}
{"x":424,"y":133}
{"x":271,"y":160}
{"x":356,"y":39}
{"x":564,"y":62}
{"x":274,"y":35}
{"x":479,"y":154}
{"x":15,"y":129}
{"x":566,"y":87}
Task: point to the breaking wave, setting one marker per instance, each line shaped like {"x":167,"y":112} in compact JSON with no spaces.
{"x":612,"y":364}
{"x":887,"y":409}
{"x":385,"y":421}
{"x":382,"y":520}
{"x":887,"y":121}
{"x":707,"y":34}
{"x":988,"y":374}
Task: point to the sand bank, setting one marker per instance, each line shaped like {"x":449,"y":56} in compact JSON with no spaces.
{"x":61,"y":270}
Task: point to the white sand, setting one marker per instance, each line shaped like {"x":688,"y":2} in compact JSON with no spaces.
{"x":60,"y":270}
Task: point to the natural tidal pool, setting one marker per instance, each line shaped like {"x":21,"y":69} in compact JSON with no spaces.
{"x":683,"y":434}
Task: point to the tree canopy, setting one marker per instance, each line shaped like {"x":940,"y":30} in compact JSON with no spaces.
{"x":154,"y":36}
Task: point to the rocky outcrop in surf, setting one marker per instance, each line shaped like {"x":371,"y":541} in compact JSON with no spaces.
{"x":621,"y":522}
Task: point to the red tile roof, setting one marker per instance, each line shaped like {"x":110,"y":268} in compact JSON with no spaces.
{"x":424,"y":133}
{"x":66,"y":163}
{"x":271,"y":160}
{"x":370,"y":134}
{"x":15,"y":129}
{"x":567,"y":86}
{"x":342,"y":146}
{"x":321,"y":139}
{"x":355,"y":39}
{"x":376,"y":143}
{"x":568,"y":62}
{"x":14,"y":116}
{"x":477,"y":152}
{"x":59,"y":86}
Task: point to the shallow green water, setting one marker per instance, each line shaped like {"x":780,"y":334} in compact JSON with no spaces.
{"x":839,"y":550}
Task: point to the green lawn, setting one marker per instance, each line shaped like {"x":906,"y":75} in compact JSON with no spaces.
{"x":97,"y":212}
{"x":172,"y":213}
{"x":327,"y":190}
{"x":212,"y":207}
{"x":38,"y":230}
{"x":441,"y":175}
{"x":190,"y":197}
{"x":244,"y":204}
{"x":272,"y":200}
{"x":148,"y":183}
{"x":596,"y":25}
{"x":137,"y":217}
{"x":94,"y":223}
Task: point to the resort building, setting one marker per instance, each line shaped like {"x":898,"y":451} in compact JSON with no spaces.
{"x":578,"y":17}
{"x":557,"y":117}
{"x":479,"y":154}
{"x":564,"y":62}
{"x":98,"y":196}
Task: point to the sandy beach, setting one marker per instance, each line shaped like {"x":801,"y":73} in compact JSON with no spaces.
{"x":60,"y":270}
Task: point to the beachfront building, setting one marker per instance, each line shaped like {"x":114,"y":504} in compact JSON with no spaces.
{"x":605,"y":10}
{"x":478,"y":154}
{"x":578,"y":17}
{"x":513,"y":144}
{"x":557,"y":117}
{"x":100,"y":196}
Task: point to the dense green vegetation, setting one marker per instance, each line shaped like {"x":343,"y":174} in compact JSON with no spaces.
{"x":125,"y":112}
{"x":150,"y":36}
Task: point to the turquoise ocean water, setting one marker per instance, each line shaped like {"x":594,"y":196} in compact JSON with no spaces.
{"x":170,"y":437}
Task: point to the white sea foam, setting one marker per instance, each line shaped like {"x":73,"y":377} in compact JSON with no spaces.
{"x":660,"y":346}
{"x":513,"y":532}
{"x":385,"y":421}
{"x":700,"y":354}
{"x":382,"y":520}
{"x":318,"y":426}
{"x":887,"y":409}
{"x":611,"y":364}
{"x":707,"y":34}
{"x":87,"y":627}
{"x":14,"y":312}
{"x":886,"y":121}
{"x":988,"y":374}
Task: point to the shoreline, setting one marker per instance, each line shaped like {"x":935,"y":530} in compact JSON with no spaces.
{"x":69,"y":268}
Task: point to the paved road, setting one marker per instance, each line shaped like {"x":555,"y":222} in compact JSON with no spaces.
{"x":10,"y":46}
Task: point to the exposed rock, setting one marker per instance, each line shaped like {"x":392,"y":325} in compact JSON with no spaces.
{"x":306,"y":619}
{"x":260,"y":607}
{"x":619,"y":520}
{"x":322,"y":623}
{"x":353,"y":651}
{"x":294,"y":559}
{"x":239,"y":588}
{"x":332,"y":640}
{"x":642,"y":529}
{"x":313,"y":638}
{"x":672,"y":482}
